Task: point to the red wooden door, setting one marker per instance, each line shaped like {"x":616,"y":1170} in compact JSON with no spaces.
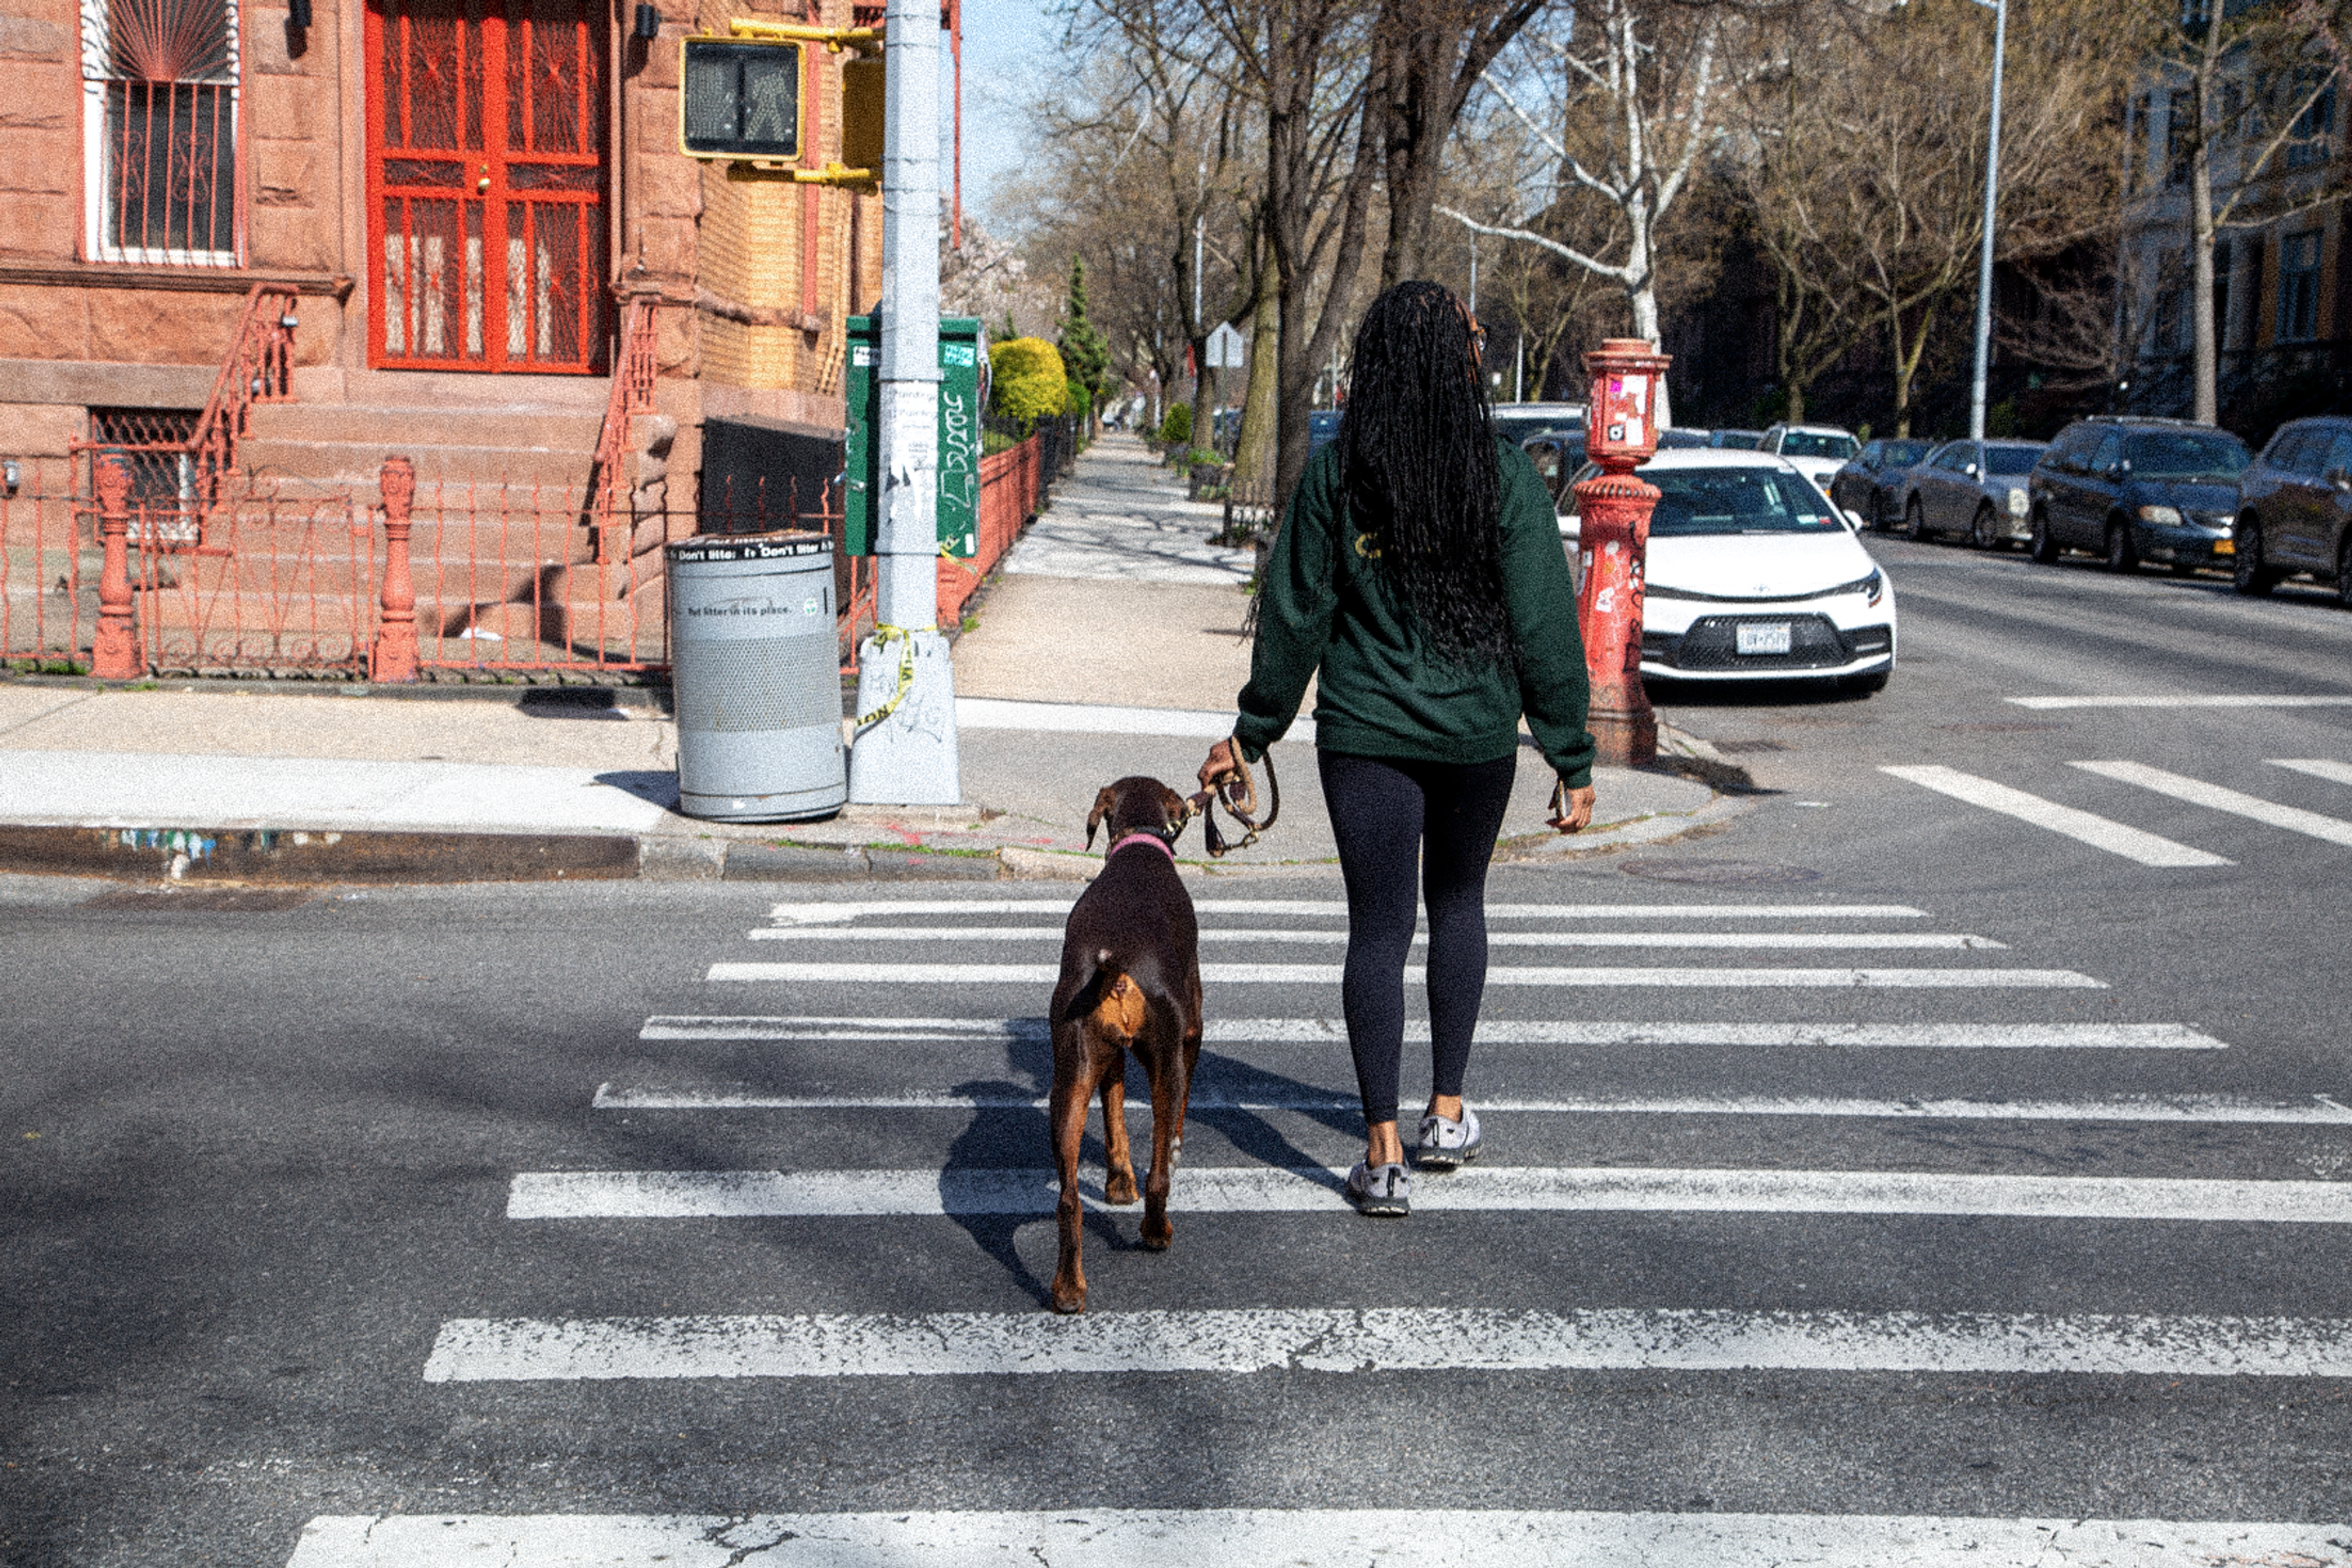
{"x":486,"y":184}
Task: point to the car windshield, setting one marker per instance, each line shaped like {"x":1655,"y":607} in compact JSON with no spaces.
{"x":2163,"y":455}
{"x":1737,"y":441}
{"x":2010,"y":461}
{"x":1737,"y":501}
{"x":1515,"y":425}
{"x":1813,"y":444}
{"x":1903,"y":454}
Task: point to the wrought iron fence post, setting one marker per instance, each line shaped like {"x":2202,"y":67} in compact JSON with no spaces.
{"x":114,"y":645}
{"x":394,"y":657}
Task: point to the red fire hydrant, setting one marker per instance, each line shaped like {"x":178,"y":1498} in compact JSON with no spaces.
{"x":1621,"y":432}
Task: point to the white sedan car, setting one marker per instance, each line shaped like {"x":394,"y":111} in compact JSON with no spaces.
{"x":1753,"y":575}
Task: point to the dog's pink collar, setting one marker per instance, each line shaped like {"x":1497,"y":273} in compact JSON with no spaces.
{"x":1151,"y":839}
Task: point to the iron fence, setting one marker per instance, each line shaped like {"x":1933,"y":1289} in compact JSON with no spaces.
{"x":108,"y":573}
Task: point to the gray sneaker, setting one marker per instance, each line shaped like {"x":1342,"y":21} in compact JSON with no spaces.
{"x":1447,"y":1144}
{"x":1382,"y":1191}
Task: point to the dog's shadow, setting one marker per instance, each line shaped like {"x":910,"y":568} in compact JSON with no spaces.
{"x":991,"y":1135}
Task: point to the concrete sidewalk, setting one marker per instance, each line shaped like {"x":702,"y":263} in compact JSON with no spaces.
{"x":1110,"y":645}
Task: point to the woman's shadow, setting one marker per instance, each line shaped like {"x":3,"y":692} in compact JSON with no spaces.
{"x":1008,"y":1131}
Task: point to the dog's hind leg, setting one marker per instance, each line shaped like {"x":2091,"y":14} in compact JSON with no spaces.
{"x":1068,"y":1114}
{"x":1171,"y":1086}
{"x":1119,"y":1160}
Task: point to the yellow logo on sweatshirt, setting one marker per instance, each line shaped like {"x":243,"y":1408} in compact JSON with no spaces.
{"x":1368,"y":545}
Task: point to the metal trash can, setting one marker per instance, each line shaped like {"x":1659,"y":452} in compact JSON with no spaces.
{"x":756,"y":676}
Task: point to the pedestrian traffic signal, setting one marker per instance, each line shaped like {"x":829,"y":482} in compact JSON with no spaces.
{"x":740,"y":99}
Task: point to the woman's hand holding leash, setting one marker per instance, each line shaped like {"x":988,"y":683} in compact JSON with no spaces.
{"x":1224,"y":764}
{"x":1225,"y":781}
{"x":1571,"y":809}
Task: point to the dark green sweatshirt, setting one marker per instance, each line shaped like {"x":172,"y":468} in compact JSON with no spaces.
{"x":1325,"y":605}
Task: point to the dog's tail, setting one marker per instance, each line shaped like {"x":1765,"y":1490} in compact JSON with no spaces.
{"x":1118,"y":1012}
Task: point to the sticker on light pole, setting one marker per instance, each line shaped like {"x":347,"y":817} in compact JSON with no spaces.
{"x":912,"y":417}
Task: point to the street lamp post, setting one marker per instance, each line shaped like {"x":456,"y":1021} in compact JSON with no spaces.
{"x":2000,"y":9}
{"x":906,"y":749}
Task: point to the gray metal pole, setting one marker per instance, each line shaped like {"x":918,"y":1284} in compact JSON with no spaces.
{"x":1984,"y":258}
{"x":909,"y":758}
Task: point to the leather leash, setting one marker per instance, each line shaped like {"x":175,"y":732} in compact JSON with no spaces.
{"x":1237,"y":793}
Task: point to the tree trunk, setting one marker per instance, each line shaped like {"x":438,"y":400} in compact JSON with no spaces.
{"x":1907,"y":364}
{"x":2206,"y":355}
{"x":1254,"y":453}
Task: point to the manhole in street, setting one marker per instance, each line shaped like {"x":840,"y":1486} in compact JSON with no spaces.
{"x":209,"y":901}
{"x":1715,"y":873}
{"x":1736,"y":748}
{"x":2003,"y":726}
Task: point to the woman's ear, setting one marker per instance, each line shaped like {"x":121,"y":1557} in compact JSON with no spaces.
{"x":1103,"y":801}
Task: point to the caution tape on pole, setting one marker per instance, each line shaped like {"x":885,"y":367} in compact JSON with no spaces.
{"x":904,"y":637}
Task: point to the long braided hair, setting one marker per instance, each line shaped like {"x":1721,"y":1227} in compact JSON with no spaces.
{"x":1421,"y":473}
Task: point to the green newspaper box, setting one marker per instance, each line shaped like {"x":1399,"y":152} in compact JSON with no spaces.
{"x":963,"y":363}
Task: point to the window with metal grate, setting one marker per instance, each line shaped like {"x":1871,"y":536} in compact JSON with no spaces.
{"x":160,"y":90}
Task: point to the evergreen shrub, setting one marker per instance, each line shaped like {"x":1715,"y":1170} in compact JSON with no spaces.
{"x":1027,"y":380}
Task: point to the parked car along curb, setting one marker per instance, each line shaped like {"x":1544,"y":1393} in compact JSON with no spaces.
{"x":2133,"y":488}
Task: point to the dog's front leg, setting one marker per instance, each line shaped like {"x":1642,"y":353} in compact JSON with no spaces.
{"x":1068,"y":1113}
{"x":1119,"y":1160}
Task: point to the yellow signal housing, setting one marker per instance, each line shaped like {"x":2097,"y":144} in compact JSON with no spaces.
{"x":740,"y":98}
{"x":861,"y":114}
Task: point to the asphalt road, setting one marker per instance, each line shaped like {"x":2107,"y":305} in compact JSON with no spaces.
{"x":1882,"y":1178}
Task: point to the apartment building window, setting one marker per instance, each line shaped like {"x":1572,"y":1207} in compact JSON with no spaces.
{"x":2179,"y":119}
{"x":2298,"y":287}
{"x":2315,"y":128}
{"x":160,"y":106}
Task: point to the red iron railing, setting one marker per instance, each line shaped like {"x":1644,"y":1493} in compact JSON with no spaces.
{"x":493,"y":581}
{"x":181,"y":477}
{"x":633,"y":394}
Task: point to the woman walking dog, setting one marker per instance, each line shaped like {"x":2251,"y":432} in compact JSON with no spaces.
{"x":1419,"y":573}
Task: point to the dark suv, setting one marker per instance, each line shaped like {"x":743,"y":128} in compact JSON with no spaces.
{"x":2295,"y":506}
{"x":2132,"y":488}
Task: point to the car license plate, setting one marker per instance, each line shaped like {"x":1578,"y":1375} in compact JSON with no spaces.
{"x":1772,"y":637}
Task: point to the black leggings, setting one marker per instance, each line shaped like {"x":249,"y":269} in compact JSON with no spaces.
{"x":1386,"y":816}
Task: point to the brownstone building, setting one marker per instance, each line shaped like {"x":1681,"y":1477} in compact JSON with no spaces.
{"x":459,"y":195}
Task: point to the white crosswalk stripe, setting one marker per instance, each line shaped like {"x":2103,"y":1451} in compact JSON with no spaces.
{"x":1329,"y":974}
{"x":2137,"y":843}
{"x":828,"y":911}
{"x":1958,"y":941}
{"x":2224,"y":700}
{"x":2196,"y":791}
{"x":1357,"y":1342}
{"x":2317,"y":767}
{"x":2088,"y":827}
{"x":1491,"y":1031}
{"x":1301,"y":1538}
{"x":2319,"y":1110}
{"x":746,"y":1194}
{"x":1965,"y":1022}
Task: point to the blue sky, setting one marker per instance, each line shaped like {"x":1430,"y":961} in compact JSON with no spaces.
{"x":1009,"y":52}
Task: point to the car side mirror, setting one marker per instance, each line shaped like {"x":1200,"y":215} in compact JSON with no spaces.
{"x":2340,"y":476}
{"x":1971,"y":471}
{"x":1853,"y":519}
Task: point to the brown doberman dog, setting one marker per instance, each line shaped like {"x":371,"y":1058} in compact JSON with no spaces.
{"x":1130,"y":982}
